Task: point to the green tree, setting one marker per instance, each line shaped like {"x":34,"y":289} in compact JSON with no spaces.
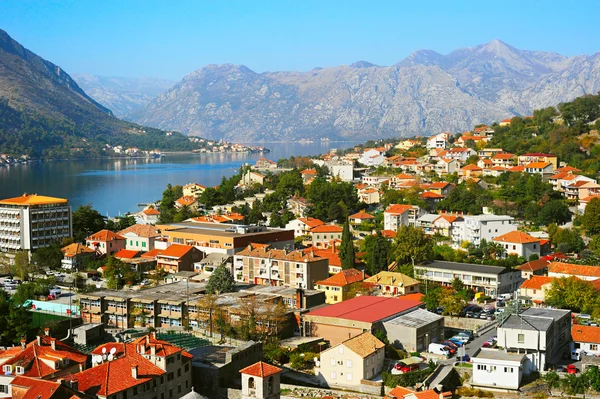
{"x":119,"y":273}
{"x":220,"y":281}
{"x":567,"y":240}
{"x":275,"y":220}
{"x":591,"y":217}
{"x":86,"y":221}
{"x":412,"y":246}
{"x":18,"y":322}
{"x":457,"y":284}
{"x":453,"y":303}
{"x":554,"y":211}
{"x":48,"y":257}
{"x":433,"y":297}
{"x":378,"y":254}
{"x":572,"y":293}
{"x":21,"y":267}
{"x":347,"y":254}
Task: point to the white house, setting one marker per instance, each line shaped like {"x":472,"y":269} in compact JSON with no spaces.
{"x":544,"y":169}
{"x":140,"y":237}
{"x":481,"y":227}
{"x":519,"y":243}
{"x":302,"y":226}
{"x":261,"y":381}
{"x":438,"y":141}
{"x":372,"y":157}
{"x":460,"y":154}
{"x":496,"y":368}
{"x":397,"y":215}
{"x":346,"y":364}
{"x":586,"y":338}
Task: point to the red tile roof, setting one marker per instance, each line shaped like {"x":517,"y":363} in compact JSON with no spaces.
{"x":471,"y":167}
{"x":311,"y":222}
{"x":574,"y":270}
{"x":538,"y":165}
{"x":153,"y":253}
{"x":536,"y":282}
{"x":126,"y":254}
{"x":151,"y":211}
{"x":176,"y":250}
{"x":397,"y":209}
{"x":35,"y":388}
{"x":538,"y":154}
{"x":327,"y":228}
{"x":534,"y":265}
{"x":388,"y":233}
{"x":260,"y":369}
{"x":361,"y":215}
{"x":104,"y":236}
{"x":141,"y":230}
{"x":431,"y":195}
{"x":76,"y":249}
{"x":343,"y":278}
{"x":503,"y":156}
{"x":439,"y":185}
{"x":517,"y":237}
{"x":186,"y":200}
{"x":366,"y":308}
{"x":309,"y":172}
{"x":586,"y":334}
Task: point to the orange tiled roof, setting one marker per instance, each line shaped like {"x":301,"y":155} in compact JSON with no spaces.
{"x":534,"y":265}
{"x":361,"y":215}
{"x":397,"y":209}
{"x":176,"y":250}
{"x":32,"y":199}
{"x":105,"y":236}
{"x":264,"y":251}
{"x":75,"y":249}
{"x":519,"y":168}
{"x":186,"y":200}
{"x":388,"y":233}
{"x":343,"y":278}
{"x":311,"y":222}
{"x":311,"y":172}
{"x":126,"y":254}
{"x":538,"y":165}
{"x":35,"y":388}
{"x":326,"y":228}
{"x":431,"y":195}
{"x":141,"y":230}
{"x":260,"y":369}
{"x":568,"y":169}
{"x":503,"y":156}
{"x":471,"y":167}
{"x":574,"y":270}
{"x":536,"y":282}
{"x":404,"y":176}
{"x":151,"y":211}
{"x":450,"y":218}
{"x":153,"y":253}
{"x":586,"y":334}
{"x":517,"y":237}
{"x":439,"y":184}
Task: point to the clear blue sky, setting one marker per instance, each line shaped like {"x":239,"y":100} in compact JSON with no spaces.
{"x":170,"y":39}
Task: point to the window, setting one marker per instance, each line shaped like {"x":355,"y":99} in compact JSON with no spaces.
{"x":349,"y":376}
{"x":332,"y":362}
{"x":134,"y":391}
{"x":7,"y":368}
{"x":341,"y":349}
{"x":333,"y":375}
{"x":349,"y":364}
{"x":534,"y":292}
{"x":19,"y":370}
{"x":534,"y":246}
{"x":3,"y":388}
{"x":143,"y":244}
{"x":521,"y":338}
{"x":593,"y":347}
{"x":187,"y":367}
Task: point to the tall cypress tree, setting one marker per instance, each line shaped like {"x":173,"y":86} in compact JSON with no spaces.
{"x":347,"y":248}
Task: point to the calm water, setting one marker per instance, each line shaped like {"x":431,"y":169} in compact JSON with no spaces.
{"x":115,"y":186}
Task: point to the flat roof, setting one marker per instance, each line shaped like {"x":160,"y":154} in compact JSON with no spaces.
{"x":366,"y":308}
{"x":468,"y":267}
{"x":555,"y":314}
{"x":166,"y":292}
{"x":530,"y":323}
{"x":32,"y":199}
{"x":217,"y":233}
{"x":498,"y":354}
{"x":415,"y":319}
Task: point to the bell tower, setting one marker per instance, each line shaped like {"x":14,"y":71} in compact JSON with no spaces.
{"x":260,"y":381}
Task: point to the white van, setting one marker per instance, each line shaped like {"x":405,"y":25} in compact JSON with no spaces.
{"x":505,"y":297}
{"x":438,"y":349}
{"x":577,"y":354}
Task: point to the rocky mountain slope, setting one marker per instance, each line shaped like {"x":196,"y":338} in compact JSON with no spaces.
{"x":423,"y":94}
{"x":122,"y":95}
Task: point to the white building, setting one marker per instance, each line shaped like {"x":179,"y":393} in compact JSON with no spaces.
{"x":346,"y":364}
{"x":496,"y":368}
{"x":372,"y":157}
{"x":397,"y":215}
{"x":261,"y":381}
{"x":33,"y":221}
{"x":302,"y":226}
{"x":473,"y":229}
{"x":140,"y":237}
{"x":438,"y":141}
{"x":518,"y":243}
{"x":586,"y":338}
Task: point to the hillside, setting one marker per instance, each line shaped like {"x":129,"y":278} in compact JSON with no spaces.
{"x":425,"y":93}
{"x":43,"y":112}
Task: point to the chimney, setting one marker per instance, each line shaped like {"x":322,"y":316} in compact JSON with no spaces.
{"x":154,"y":334}
{"x":134,"y":372}
{"x":74,"y":384}
{"x":153,"y":350}
{"x":39,"y":340}
{"x":80,"y":367}
{"x":53,"y":344}
{"x":23,"y":343}
{"x":47,"y":331}
{"x":142,"y":348}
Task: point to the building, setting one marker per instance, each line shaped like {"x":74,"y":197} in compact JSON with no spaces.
{"x":492,"y":280}
{"x":369,"y":195}
{"x":372,"y":157}
{"x":341,"y":321}
{"x":261,"y":381}
{"x":338,"y":286}
{"x":406,"y":393}
{"x":224,"y":238}
{"x":397,"y":215}
{"x":74,"y":256}
{"x":261,"y":264}
{"x":414,"y":331}
{"x":360,"y":217}
{"x":105,"y":242}
{"x":534,"y":268}
{"x":178,"y":258}
{"x":302,"y":226}
{"x":586,"y":339}
{"x":324,"y":235}
{"x":393,"y":283}
{"x":583,"y":272}
{"x":193,"y":190}
{"x":352,"y":361}
{"x":150,"y":215}
{"x":33,"y":388}
{"x":495,"y":368}
{"x":251,"y":177}
{"x":471,"y":170}
{"x":438,"y":141}
{"x":543,"y":335}
{"x":33,"y":221}
{"x":533,"y":290}
{"x":146,"y":368}
{"x":473,"y":229}
{"x":526,"y":159}
{"x":444,"y":224}
{"x":544,"y":169}
{"x":140,"y":237}
{"x":519,"y":243}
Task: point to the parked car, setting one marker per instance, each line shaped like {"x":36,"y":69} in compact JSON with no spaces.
{"x":464,"y":358}
{"x":460,"y":338}
{"x":407,"y":368}
{"x":484,"y":315}
{"x":571,"y":369}
{"x":561,"y":369}
{"x":467,"y":333}
{"x":476,"y":315}
{"x":469,"y":314}
{"x":438,"y":349}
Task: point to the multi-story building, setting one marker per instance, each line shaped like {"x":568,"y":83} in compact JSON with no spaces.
{"x":492,"y":280}
{"x":224,"y":238}
{"x":178,"y":258}
{"x":338,"y":286}
{"x":586,"y":339}
{"x":414,"y":331}
{"x":325,"y":235}
{"x":140,"y":237}
{"x":534,"y":289}
{"x":260,"y":264}
{"x":542,"y":334}
{"x":105,"y":242}
{"x":583,"y":272}
{"x":473,"y":229}
{"x":538,"y":157}
{"x":519,"y":243}
{"x":495,"y":368}
{"x":33,"y":221}
{"x":74,"y":256}
{"x":302,"y":226}
{"x":397,"y":215}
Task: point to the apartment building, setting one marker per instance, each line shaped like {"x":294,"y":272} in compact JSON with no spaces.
{"x":492,"y":280}
{"x":105,"y":242}
{"x":526,"y":159}
{"x":302,"y":226}
{"x":178,"y":258}
{"x":33,"y":221}
{"x":337,"y":287}
{"x":74,"y":256}
{"x":475,"y":228}
{"x":542,"y":334}
{"x":397,"y":215}
{"x":224,"y":238}
{"x":260,"y":264}
{"x":140,"y":237}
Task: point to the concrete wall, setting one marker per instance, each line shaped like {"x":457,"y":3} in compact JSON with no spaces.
{"x":464,"y":323}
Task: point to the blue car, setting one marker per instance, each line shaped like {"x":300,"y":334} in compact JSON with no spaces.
{"x":456,"y":341}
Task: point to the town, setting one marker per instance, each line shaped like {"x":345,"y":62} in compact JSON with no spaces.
{"x":456,"y":265}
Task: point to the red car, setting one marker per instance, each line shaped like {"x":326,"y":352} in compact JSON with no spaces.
{"x":571,"y":369}
{"x":408,"y":368}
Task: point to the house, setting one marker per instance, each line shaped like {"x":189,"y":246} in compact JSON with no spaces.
{"x":397,"y":215}
{"x":323,"y":235}
{"x":446,"y":166}
{"x":369,"y":195}
{"x":188,"y":201}
{"x":460,"y":154}
{"x":74,"y":256}
{"x":495,"y":368}
{"x":504,"y":122}
{"x":471,"y":170}
{"x":583,"y":272}
{"x":586,"y":338}
{"x":492,"y":280}
{"x":526,"y":159}
{"x":360,"y":217}
{"x":338,"y":286}
{"x":332,"y":255}
{"x":302,"y":226}
{"x":394,"y":161}
{"x":351,"y":361}
{"x":372,"y":157}
{"x":543,"y":335}
{"x":504,"y":160}
{"x":475,"y":228}
{"x":519,"y":243}
{"x":34,"y":388}
{"x":438,"y":141}
{"x":544,"y":169}
{"x":534,"y":268}
{"x":105,"y":242}
{"x":414,"y":331}
{"x":391,"y":283}
{"x":308,"y":175}
{"x":178,"y":258}
{"x":425,"y":222}
{"x":534,"y":289}
{"x":338,"y":322}
{"x":261,"y":381}
{"x":264,"y":163}
{"x":589,"y":189}
{"x":406,"y":393}
{"x":445,"y":224}
{"x":583,"y":202}
{"x":150,"y":215}
{"x":140,"y":237}
{"x":193,"y":190}
{"x":298,"y":206}
{"x":441,"y":187}
{"x":407,"y":144}
{"x":251,"y":177}
{"x":261,"y":264}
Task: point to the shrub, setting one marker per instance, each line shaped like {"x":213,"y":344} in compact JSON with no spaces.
{"x":472,"y":392}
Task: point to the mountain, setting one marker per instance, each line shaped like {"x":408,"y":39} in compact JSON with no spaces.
{"x":425,"y":93}
{"x":122,"y":95}
{"x":43,"y":112}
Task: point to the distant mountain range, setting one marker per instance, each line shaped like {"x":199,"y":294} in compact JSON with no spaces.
{"x":122,"y":95}
{"x":423,"y":94}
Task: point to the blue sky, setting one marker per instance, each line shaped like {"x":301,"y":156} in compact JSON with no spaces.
{"x":170,"y":39}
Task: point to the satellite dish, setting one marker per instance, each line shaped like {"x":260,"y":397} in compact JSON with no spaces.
{"x":113,"y":351}
{"x":104,"y":350}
